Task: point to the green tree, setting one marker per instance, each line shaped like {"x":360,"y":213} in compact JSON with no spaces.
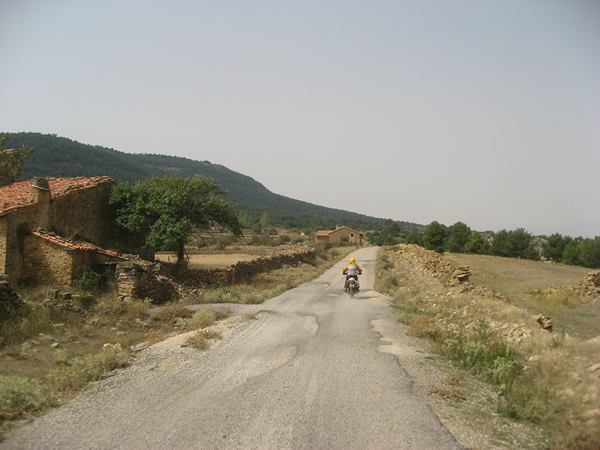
{"x":500,"y":244}
{"x":521,"y":245}
{"x":514,"y":244}
{"x":388,"y":235}
{"x":265,"y":220}
{"x":392,"y":228}
{"x":590,"y":253}
{"x":477,"y":244}
{"x":435,"y":237}
{"x":11,"y":161}
{"x":167,"y":209}
{"x":414,"y":238}
{"x":572,"y":253}
{"x":460,"y":234}
{"x":555,"y":247}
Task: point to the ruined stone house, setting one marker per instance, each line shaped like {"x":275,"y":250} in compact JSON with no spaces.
{"x":339,"y":235}
{"x":47,"y":227}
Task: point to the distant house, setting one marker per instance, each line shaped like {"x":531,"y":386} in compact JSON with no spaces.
{"x":47,"y":227}
{"x":339,"y":235}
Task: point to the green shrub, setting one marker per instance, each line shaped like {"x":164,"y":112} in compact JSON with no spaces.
{"x":19,"y":396}
{"x":86,"y":301}
{"x":201,"y":319}
{"x":225,"y":241}
{"x":173,"y":312}
{"x":252,"y":299}
{"x":92,"y":280}
{"x":231,"y":297}
{"x":284,"y":239}
{"x":212,"y":297}
{"x":260,"y":241}
{"x":61,"y":355}
{"x":81,"y":370}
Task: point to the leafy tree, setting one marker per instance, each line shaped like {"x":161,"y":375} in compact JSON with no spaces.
{"x":521,"y":245}
{"x":388,"y":235}
{"x":555,"y":247}
{"x":11,"y":161}
{"x":460,"y":234}
{"x":392,"y":228}
{"x":414,"y":238}
{"x":477,"y":244}
{"x":572,"y":253}
{"x":500,"y":245}
{"x":435,"y":237}
{"x":514,"y":244}
{"x":167,"y":209}
{"x":245,"y":219}
{"x":265,"y":220}
{"x":590,"y":253}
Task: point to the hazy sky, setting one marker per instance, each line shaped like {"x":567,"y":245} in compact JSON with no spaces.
{"x":485,"y":112}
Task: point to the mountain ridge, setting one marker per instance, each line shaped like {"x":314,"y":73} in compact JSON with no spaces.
{"x":56,"y":156}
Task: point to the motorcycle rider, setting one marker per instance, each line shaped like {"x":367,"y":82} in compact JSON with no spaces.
{"x":352,"y":270}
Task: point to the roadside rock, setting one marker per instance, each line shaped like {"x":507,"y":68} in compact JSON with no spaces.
{"x":544,"y":321}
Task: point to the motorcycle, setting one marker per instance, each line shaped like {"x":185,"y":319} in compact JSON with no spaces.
{"x":351,"y":286}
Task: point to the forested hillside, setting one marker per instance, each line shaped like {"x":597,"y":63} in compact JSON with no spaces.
{"x":56,"y":156}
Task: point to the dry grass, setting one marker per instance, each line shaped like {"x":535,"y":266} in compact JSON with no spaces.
{"x":550,"y":378}
{"x":199,"y":339}
{"x":172,"y":312}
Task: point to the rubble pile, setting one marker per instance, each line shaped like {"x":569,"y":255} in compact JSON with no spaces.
{"x":10,"y":301}
{"x":589,"y":286}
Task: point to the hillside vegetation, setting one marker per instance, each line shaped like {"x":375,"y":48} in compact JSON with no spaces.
{"x":56,"y":156}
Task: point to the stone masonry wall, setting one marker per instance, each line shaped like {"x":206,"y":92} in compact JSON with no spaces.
{"x":84,"y":214}
{"x":46,"y":263}
{"x":156,"y":281}
{"x":3,"y":245}
{"x":242,"y":270}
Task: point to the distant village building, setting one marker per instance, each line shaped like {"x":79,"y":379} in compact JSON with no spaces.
{"x":47,"y":227}
{"x":339,"y":235}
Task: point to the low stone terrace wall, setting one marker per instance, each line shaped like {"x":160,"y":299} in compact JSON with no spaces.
{"x":240,"y":271}
{"x":162,"y":281}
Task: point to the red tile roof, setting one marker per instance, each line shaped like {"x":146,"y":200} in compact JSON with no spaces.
{"x":324,"y":233}
{"x":70,"y":246}
{"x":16,"y":195}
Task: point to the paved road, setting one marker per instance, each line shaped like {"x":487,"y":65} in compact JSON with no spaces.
{"x":307,"y":374}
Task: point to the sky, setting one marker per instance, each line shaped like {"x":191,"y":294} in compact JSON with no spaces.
{"x":482,"y":112}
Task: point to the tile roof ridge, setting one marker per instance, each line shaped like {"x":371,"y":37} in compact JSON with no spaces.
{"x":86,"y":246}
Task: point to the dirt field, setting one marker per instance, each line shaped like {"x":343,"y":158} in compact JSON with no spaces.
{"x":208,"y":261}
{"x":520,"y":279}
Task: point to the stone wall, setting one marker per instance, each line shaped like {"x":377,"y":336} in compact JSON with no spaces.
{"x":10,"y":247}
{"x":3,"y":245}
{"x":243,"y":270}
{"x":10,"y":301}
{"x":83,"y":214}
{"x":142,"y":280}
{"x":46,"y":263}
{"x":157,"y":281}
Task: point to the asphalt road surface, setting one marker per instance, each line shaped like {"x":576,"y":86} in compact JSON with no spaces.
{"x":308,"y":373}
